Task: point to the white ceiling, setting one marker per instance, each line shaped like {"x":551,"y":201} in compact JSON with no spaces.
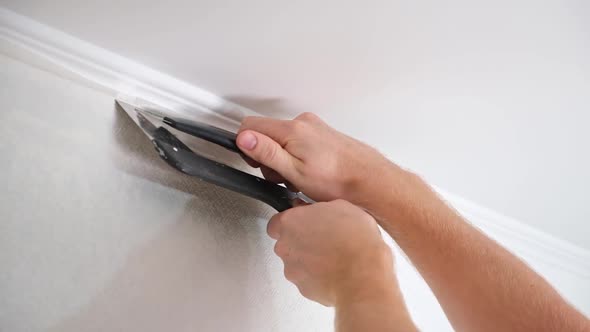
{"x":488,"y":101}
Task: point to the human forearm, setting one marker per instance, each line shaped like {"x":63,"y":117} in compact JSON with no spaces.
{"x":475,"y":280}
{"x":387,"y":313}
{"x":376,"y":304}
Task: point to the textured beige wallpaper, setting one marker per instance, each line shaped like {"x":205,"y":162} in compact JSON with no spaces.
{"x":98,"y":234}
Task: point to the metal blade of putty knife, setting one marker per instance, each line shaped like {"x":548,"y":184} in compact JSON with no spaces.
{"x":181,"y":157}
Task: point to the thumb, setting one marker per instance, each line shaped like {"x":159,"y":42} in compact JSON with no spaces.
{"x":266,"y":151}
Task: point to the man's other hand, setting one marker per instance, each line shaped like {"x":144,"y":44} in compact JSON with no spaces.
{"x":333,"y":252}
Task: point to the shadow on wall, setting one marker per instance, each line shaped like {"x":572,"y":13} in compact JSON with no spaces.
{"x":270,"y":107}
{"x":197,"y":274}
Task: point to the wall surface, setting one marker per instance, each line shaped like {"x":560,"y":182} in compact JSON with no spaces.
{"x":488,"y":100}
{"x":99,"y":234}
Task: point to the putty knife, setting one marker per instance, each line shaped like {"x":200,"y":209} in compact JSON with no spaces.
{"x":181,"y":157}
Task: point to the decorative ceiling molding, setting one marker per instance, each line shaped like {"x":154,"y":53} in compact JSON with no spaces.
{"x":110,"y":70}
{"x":526,"y":241}
{"x":23,"y":37}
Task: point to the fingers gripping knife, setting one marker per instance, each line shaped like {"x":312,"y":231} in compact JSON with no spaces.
{"x":181,"y":157}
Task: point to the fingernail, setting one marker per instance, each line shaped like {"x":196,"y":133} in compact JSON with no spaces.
{"x":247,"y":141}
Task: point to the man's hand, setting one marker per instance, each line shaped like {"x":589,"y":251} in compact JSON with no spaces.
{"x":333,"y":252}
{"x":309,"y":156}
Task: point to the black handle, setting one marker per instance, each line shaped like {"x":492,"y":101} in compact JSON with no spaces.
{"x":213,"y":134}
{"x":181,"y":157}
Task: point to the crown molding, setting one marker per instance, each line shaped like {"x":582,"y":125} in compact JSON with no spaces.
{"x":25,"y":38}
{"x":75,"y":57}
{"x":527,"y":242}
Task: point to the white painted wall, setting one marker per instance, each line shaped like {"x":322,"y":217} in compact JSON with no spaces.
{"x":488,"y":100}
{"x":98,"y":234}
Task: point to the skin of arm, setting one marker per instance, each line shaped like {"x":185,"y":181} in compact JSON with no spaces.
{"x":480,"y":285}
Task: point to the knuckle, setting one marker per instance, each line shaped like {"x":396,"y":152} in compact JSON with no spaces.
{"x":307,"y":172}
{"x":326,"y":205}
{"x":308,"y":116}
{"x":305,"y":291}
{"x":280,"y":249}
{"x":342,"y":205}
{"x":277,"y":249}
{"x":292,"y":218}
{"x":288,"y":215}
{"x":340,"y":202}
{"x":272,"y":228}
{"x":298,"y":127}
{"x":290,"y":273}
